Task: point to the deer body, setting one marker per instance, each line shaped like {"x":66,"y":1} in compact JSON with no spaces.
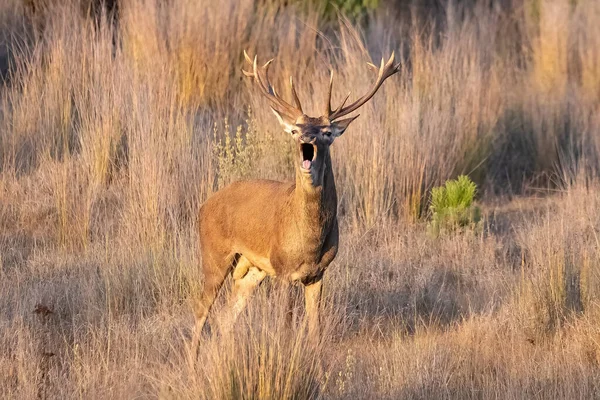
{"x":297,"y":227}
{"x":260,"y":228}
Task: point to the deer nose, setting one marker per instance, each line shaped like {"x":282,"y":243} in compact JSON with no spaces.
{"x":308,"y":139}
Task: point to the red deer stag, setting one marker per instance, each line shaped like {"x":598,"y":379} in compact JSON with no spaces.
{"x":260,"y":228}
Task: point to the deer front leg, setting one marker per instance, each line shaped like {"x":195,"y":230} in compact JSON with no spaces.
{"x":313,"y":286}
{"x":287,"y":289}
{"x":312,"y":301}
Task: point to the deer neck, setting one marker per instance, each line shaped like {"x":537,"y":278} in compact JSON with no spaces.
{"x":316,"y":199}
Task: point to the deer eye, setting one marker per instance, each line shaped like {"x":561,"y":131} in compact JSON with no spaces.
{"x":295,"y":132}
{"x":327,"y":133}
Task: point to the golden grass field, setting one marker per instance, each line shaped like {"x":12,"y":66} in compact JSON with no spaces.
{"x":110,"y":141}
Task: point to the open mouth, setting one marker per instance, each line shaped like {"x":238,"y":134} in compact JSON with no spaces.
{"x":308,"y":153}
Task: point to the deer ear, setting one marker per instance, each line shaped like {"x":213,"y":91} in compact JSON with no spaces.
{"x":285,"y":124}
{"x":339,"y":127}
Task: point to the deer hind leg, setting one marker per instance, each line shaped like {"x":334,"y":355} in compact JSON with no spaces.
{"x":214,"y":276}
{"x":246,"y":279}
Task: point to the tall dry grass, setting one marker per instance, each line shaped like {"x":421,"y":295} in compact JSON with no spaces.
{"x":110,"y":140}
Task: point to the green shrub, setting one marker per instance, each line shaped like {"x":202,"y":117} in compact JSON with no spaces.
{"x":452,"y":206}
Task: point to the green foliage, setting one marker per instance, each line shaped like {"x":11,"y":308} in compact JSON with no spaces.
{"x":452,"y":206}
{"x":329,"y":8}
{"x":351,"y":8}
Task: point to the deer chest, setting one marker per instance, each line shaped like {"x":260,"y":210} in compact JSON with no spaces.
{"x":303,"y":258}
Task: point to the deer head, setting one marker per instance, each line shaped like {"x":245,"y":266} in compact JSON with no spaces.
{"x":314,"y":135}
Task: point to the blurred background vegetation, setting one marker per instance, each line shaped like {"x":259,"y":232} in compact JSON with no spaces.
{"x":113,"y":131}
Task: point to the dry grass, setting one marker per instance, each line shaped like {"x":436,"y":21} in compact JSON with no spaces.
{"x":110,"y":141}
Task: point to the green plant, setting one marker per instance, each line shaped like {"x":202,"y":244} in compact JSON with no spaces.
{"x":352,"y":8}
{"x":328,"y":9}
{"x":452,"y":206}
{"x":236,"y":154}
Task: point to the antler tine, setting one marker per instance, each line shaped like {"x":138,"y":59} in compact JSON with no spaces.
{"x":247,"y":57}
{"x":328,"y":102}
{"x":295,"y":95}
{"x":328,"y":110}
{"x":342,"y":104}
{"x":386,"y":70}
{"x":261,"y":76}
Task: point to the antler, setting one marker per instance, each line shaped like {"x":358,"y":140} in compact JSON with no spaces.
{"x":261,"y":75}
{"x":385,"y":71}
